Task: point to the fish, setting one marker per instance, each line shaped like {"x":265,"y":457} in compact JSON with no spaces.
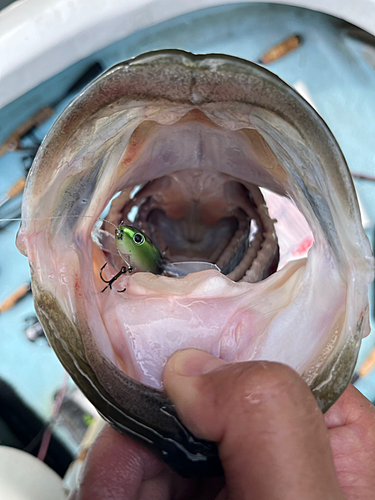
{"x":184,"y":148}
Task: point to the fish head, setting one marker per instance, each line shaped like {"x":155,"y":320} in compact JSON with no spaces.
{"x":185,"y":147}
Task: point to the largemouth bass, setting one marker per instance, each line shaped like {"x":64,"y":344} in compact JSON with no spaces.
{"x":178,"y":145}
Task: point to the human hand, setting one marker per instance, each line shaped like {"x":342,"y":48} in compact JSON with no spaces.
{"x":272,"y":439}
{"x":351,"y":430}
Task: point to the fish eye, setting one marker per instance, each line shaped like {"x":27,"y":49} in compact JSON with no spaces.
{"x":138,"y":238}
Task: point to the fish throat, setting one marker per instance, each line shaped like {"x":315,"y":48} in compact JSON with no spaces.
{"x":202,"y":216}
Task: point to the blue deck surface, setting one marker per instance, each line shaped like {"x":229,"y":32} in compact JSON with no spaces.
{"x":333,"y":67}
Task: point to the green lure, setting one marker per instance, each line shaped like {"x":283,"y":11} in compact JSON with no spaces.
{"x":136,"y":246}
{"x":143,"y":254}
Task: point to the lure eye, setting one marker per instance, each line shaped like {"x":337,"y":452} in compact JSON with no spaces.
{"x":138,"y":238}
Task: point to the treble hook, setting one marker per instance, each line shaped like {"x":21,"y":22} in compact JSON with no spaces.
{"x":122,"y":271}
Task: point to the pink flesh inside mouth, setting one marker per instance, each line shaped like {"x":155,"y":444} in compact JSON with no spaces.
{"x":213,"y":213}
{"x":239,"y":315}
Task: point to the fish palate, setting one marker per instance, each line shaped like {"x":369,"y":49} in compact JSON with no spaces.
{"x":179,"y":145}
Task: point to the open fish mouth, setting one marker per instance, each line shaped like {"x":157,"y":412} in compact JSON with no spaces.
{"x":179,"y":145}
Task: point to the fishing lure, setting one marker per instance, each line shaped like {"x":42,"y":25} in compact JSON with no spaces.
{"x":135,"y":246}
{"x":139,"y":248}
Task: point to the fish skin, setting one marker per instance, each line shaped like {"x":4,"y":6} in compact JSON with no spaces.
{"x":150,"y":415}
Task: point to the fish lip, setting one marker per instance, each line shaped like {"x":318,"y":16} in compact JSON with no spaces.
{"x":329,"y":387}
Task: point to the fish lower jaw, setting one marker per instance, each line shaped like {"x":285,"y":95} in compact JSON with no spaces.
{"x":156,"y":316}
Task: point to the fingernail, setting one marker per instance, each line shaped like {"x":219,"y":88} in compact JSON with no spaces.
{"x":193,"y":362}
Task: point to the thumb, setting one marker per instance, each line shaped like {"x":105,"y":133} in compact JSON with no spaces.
{"x":271,"y":435}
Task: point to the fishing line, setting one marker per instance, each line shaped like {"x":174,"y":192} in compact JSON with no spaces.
{"x":67,"y":217}
{"x":57,"y":217}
